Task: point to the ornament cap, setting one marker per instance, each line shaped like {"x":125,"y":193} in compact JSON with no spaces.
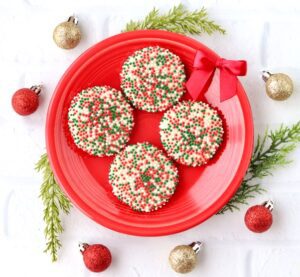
{"x":196,"y":246}
{"x":266,"y":75}
{"x":37,"y":89}
{"x":269,"y":205}
{"x":82,"y":246}
{"x":73,"y":19}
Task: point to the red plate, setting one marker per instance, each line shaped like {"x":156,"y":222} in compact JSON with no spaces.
{"x":201,"y":192}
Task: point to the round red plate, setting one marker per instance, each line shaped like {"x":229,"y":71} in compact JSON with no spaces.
{"x":201,"y":192}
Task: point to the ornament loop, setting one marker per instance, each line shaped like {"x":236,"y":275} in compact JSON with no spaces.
{"x":269,"y":205}
{"x":82,"y":246}
{"x":266,"y":75}
{"x":197,"y":246}
{"x":37,"y":89}
{"x":73,"y":19}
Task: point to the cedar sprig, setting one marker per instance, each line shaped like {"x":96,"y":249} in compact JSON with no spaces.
{"x":55,"y":202}
{"x":178,"y":20}
{"x":271,"y":151}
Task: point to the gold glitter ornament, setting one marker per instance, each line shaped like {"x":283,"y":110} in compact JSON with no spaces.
{"x":279,"y":86}
{"x":183,"y":258}
{"x":67,"y":34}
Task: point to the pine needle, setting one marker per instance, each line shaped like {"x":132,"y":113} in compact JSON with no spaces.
{"x":178,"y":20}
{"x":271,"y":152}
{"x":54,"y":202}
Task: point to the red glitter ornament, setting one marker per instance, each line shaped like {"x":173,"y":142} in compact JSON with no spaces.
{"x":96,"y":257}
{"x":259,"y":218}
{"x":25,"y":101}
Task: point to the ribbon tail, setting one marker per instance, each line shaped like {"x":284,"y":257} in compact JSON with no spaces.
{"x":228,"y":85}
{"x":197,"y":82}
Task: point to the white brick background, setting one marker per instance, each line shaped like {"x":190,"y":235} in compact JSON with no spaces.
{"x":263,"y":32}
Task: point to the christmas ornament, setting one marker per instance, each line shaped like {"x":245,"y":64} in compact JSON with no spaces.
{"x":259,"y":218}
{"x":67,"y":34}
{"x":25,"y":101}
{"x":96,"y":257}
{"x":279,"y":86}
{"x":183,"y":258}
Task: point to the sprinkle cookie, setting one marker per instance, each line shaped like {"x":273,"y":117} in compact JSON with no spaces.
{"x":153,"y":79}
{"x":100,"y":121}
{"x":191,"y":132}
{"x":143,"y":177}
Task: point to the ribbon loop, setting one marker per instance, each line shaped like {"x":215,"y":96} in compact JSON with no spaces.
{"x":203,"y":70}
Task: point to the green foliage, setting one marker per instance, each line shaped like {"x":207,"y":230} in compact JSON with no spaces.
{"x":54,"y":202}
{"x":178,"y":20}
{"x":271,"y":152}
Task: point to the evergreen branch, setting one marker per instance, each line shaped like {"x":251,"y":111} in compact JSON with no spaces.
{"x":270,"y":152}
{"x":178,"y":20}
{"x":54,"y":202}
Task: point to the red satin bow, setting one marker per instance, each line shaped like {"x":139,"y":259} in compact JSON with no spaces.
{"x":205,"y":67}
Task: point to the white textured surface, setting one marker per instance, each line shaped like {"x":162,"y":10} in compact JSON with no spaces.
{"x":263,"y":32}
